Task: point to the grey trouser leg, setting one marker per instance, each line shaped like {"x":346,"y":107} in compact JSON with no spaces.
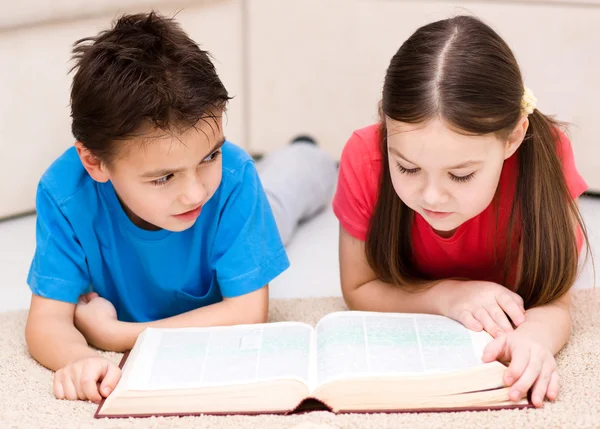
{"x":299,"y":180}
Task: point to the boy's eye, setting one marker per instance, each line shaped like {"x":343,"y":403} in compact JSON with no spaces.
{"x":212,"y":157}
{"x":407,"y":170}
{"x":162,"y":180}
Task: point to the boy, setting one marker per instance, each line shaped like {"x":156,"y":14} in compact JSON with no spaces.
{"x":153,"y":218}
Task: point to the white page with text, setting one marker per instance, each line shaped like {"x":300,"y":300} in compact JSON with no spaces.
{"x":201,"y":357}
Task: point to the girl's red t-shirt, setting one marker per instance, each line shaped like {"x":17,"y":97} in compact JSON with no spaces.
{"x":469,"y":252}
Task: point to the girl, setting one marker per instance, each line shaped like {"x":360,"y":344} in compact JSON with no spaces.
{"x":463,"y":202}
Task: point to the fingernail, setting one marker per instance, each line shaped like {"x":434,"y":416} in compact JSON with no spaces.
{"x":509,"y":380}
{"x":515,"y":394}
{"x":106,"y":390}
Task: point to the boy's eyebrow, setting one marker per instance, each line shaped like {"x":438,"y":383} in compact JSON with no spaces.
{"x":461,"y":165}
{"x":218,"y":146}
{"x":166,"y":171}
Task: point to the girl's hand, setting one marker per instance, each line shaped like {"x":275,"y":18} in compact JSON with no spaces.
{"x":481,"y":305}
{"x":87,"y":379}
{"x":531,"y":364}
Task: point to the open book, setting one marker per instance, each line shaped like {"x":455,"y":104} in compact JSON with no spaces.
{"x":351,"y":362}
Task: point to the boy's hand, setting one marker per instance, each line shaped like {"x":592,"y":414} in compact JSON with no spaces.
{"x":481,"y":305}
{"x":531,"y":364}
{"x":88,"y":379}
{"x":96,"y":319}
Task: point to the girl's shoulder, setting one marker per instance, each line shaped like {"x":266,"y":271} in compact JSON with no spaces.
{"x":362,"y":157}
{"x":363,"y":145}
{"x":358,"y":181}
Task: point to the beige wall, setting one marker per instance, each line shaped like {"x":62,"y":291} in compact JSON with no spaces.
{"x":311,"y":66}
{"x":319,"y":65}
{"x":35,"y":124}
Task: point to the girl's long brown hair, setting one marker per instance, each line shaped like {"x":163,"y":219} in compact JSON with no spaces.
{"x":461,"y":71}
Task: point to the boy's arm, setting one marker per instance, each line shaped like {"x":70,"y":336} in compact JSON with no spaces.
{"x":250,"y":308}
{"x":54,"y":342}
{"x":51,"y":335}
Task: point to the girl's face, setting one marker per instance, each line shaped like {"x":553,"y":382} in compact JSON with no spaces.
{"x":446,"y":177}
{"x":163,"y":181}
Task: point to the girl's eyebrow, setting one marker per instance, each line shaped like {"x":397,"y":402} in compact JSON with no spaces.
{"x":454,"y":167}
{"x":166,"y":171}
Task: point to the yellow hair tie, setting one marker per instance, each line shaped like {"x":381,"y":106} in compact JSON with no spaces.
{"x":528,"y":102}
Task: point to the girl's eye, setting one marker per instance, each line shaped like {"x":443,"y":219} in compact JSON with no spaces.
{"x":162,"y":180}
{"x":462,"y":179}
{"x":212,"y":157}
{"x":407,"y":170}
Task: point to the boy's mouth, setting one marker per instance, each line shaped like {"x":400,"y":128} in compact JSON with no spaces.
{"x":189,"y":215}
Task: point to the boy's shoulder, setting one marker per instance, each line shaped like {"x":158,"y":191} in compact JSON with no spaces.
{"x":65,"y":177}
{"x":235,"y":159}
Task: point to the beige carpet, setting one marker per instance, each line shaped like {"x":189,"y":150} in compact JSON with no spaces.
{"x":26,"y":399}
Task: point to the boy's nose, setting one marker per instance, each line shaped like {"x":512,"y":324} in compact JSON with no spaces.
{"x":194,"y":194}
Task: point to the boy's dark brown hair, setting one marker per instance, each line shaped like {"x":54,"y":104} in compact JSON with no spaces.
{"x":143,"y":71}
{"x":461,"y":71}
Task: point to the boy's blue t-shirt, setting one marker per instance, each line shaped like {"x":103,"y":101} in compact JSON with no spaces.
{"x":86,"y":242}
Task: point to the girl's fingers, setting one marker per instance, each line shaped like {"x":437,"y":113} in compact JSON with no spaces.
{"x":494,"y":350}
{"x":512,"y":308}
{"x":499,"y":317}
{"x":488,"y":323}
{"x":467,"y":319}
{"x":524,"y":383}
{"x":541,"y":385}
{"x":518,"y":363}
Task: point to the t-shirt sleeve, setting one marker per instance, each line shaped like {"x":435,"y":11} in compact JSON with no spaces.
{"x":59,"y":268}
{"x":575,"y":182}
{"x":248,"y":251}
{"x":353,"y":202}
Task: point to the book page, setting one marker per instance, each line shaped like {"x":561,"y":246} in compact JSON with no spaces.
{"x":356,"y":344}
{"x":200,"y":357}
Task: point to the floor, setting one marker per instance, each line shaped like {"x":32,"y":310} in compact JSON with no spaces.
{"x":313,"y":254}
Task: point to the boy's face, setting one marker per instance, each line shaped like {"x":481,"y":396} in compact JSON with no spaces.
{"x":164,"y":180}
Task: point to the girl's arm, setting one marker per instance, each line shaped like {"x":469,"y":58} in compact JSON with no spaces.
{"x":476,"y":304}
{"x":363,"y":291}
{"x":550,"y":323}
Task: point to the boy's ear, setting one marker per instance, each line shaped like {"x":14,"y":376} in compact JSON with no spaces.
{"x":93,"y":165}
{"x":516,"y":137}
